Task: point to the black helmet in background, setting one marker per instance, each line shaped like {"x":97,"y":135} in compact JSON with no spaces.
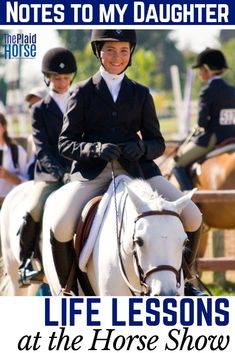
{"x":100,"y":36}
{"x":213,"y":58}
{"x":58,"y":61}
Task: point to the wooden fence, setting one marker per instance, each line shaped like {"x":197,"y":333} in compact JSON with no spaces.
{"x":219,"y":264}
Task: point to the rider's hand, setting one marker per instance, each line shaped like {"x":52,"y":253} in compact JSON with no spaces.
{"x":106,"y":151}
{"x":57,"y":172}
{"x":133,"y":151}
{"x":66,"y":178}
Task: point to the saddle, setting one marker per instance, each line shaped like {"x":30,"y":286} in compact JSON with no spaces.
{"x":227,"y":146}
{"x":86,"y":235}
{"x":82,"y":233}
{"x":85,"y":223}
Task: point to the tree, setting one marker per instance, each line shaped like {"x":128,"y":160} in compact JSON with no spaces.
{"x":165,"y":52}
{"x":229,"y":49}
{"x":143,"y":68}
{"x":87,"y":64}
{"x":225,"y":35}
{"x":3,"y":85}
{"x":75,"y":40}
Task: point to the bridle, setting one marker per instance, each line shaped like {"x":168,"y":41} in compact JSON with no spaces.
{"x":145,"y":288}
{"x":144,"y":275}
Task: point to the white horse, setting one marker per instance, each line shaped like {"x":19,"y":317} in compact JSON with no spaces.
{"x":12,"y":212}
{"x":138,"y":248}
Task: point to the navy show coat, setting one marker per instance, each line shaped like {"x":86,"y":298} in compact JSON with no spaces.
{"x":47,"y":121}
{"x":216,"y":111}
{"x":93,"y":116}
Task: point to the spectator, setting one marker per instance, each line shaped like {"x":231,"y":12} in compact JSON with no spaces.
{"x":13,"y":159}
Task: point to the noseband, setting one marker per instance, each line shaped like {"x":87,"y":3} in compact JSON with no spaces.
{"x":144,"y":275}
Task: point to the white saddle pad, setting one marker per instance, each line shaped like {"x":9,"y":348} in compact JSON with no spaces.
{"x":97,"y":222}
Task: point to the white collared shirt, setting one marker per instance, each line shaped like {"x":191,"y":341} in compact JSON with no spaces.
{"x":61,"y":99}
{"x":217,"y":77}
{"x":113,"y":82}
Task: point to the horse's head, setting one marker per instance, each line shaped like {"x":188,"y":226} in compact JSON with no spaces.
{"x":158,"y":239}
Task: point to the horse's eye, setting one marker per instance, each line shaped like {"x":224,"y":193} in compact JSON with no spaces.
{"x":139,"y":241}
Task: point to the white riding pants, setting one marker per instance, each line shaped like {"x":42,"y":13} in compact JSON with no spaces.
{"x":71,"y":199}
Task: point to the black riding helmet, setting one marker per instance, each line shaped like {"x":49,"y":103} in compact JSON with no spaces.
{"x":59,"y":61}
{"x":100,"y":36}
{"x":213,"y":58}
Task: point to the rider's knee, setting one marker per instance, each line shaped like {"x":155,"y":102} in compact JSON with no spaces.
{"x":62,"y":231}
{"x":192,"y":217}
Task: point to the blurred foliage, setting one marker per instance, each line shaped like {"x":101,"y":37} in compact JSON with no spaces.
{"x":143,"y":68}
{"x":87,"y":64}
{"x":228,"y":49}
{"x":1,"y":41}
{"x":75,"y":39}
{"x":225,"y":35}
{"x":226,"y":290}
{"x":3,"y":85}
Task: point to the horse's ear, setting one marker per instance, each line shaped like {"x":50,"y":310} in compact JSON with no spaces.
{"x":137,"y":202}
{"x":181,"y":203}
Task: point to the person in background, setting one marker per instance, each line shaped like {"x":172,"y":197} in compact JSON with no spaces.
{"x":100,"y":133}
{"x":13,"y":161}
{"x":35,"y":95}
{"x":216,"y":114}
{"x":59,"y":69}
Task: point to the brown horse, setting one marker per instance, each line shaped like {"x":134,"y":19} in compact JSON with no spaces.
{"x":214,"y":173}
{"x":218,"y":173}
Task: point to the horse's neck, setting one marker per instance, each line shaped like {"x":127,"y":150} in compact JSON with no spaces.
{"x":126,"y":234}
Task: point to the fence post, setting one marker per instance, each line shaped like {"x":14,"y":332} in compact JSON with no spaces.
{"x":218,"y":251}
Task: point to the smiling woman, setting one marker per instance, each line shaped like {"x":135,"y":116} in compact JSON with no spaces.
{"x":115,"y":56}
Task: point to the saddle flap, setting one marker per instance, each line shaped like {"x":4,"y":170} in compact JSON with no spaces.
{"x":85,"y":223}
{"x":98,"y":220}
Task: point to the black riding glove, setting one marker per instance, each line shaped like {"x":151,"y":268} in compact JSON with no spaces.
{"x":105,"y":151}
{"x":133,"y":151}
{"x":57,"y":172}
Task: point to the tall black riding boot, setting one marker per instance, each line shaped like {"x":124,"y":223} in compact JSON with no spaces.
{"x":28,"y":233}
{"x":190,"y":257}
{"x":183,"y":178}
{"x":63,"y":256}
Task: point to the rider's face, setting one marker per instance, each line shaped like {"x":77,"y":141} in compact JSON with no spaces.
{"x":205,"y":73}
{"x":115,"y":56}
{"x":60,"y":83}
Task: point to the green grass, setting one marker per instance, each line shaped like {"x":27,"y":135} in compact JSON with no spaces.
{"x":227,"y":289}
{"x":168,"y":127}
